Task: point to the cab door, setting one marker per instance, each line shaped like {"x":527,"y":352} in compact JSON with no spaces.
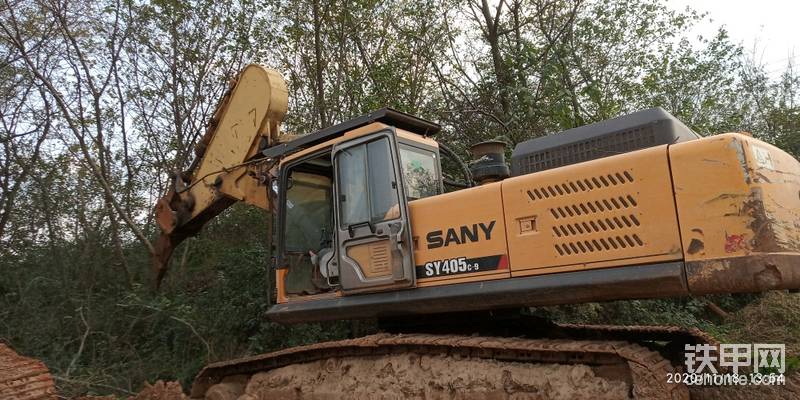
{"x":373,"y":234}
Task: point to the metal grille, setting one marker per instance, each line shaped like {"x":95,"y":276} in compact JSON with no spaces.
{"x":595,"y":245}
{"x":379,"y":257}
{"x":581,"y":185}
{"x":602,"y":221}
{"x":590,"y":149}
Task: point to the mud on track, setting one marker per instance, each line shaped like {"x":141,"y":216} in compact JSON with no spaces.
{"x":413,"y":376}
{"x":426,"y":366}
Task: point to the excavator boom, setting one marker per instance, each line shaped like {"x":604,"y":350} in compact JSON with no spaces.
{"x":228,"y":166}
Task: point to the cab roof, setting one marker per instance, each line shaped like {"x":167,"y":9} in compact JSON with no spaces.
{"x":384,"y":115}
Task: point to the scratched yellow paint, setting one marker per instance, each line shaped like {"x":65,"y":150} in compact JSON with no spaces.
{"x":736,"y":196}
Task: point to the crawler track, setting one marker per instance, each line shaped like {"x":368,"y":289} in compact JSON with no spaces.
{"x":644,"y":371}
{"x":637,"y":333}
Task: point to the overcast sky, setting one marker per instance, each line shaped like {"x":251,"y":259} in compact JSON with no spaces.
{"x":773,"y":26}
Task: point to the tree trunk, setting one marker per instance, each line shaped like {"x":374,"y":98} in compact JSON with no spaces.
{"x":492,"y":35}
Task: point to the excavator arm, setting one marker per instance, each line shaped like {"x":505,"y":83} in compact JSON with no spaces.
{"x":228,"y":165}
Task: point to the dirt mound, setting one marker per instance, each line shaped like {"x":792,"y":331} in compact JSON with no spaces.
{"x":158,"y":391}
{"x":161,"y":391}
{"x":411,"y":376}
{"x":23,"y":378}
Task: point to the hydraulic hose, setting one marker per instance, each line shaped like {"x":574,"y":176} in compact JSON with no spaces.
{"x":464,"y":168}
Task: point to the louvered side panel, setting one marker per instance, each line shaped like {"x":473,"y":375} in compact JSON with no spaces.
{"x":615,"y":211}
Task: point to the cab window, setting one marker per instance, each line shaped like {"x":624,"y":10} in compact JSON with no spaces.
{"x":307,"y":232}
{"x":419,"y":172}
{"x":367,"y":183}
{"x":308,"y":211}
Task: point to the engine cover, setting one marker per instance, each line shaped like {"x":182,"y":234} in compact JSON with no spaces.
{"x":639,"y":130}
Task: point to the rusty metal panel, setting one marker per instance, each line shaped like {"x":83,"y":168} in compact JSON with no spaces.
{"x":592,"y":215}
{"x":23,"y":378}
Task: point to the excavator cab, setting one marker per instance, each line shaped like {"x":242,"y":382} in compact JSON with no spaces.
{"x":336,"y":236}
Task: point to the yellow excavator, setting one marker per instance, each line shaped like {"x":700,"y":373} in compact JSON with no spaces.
{"x":635,"y":207}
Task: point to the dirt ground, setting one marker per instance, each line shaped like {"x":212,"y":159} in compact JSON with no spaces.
{"x":161,"y":391}
{"x":431,"y":377}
